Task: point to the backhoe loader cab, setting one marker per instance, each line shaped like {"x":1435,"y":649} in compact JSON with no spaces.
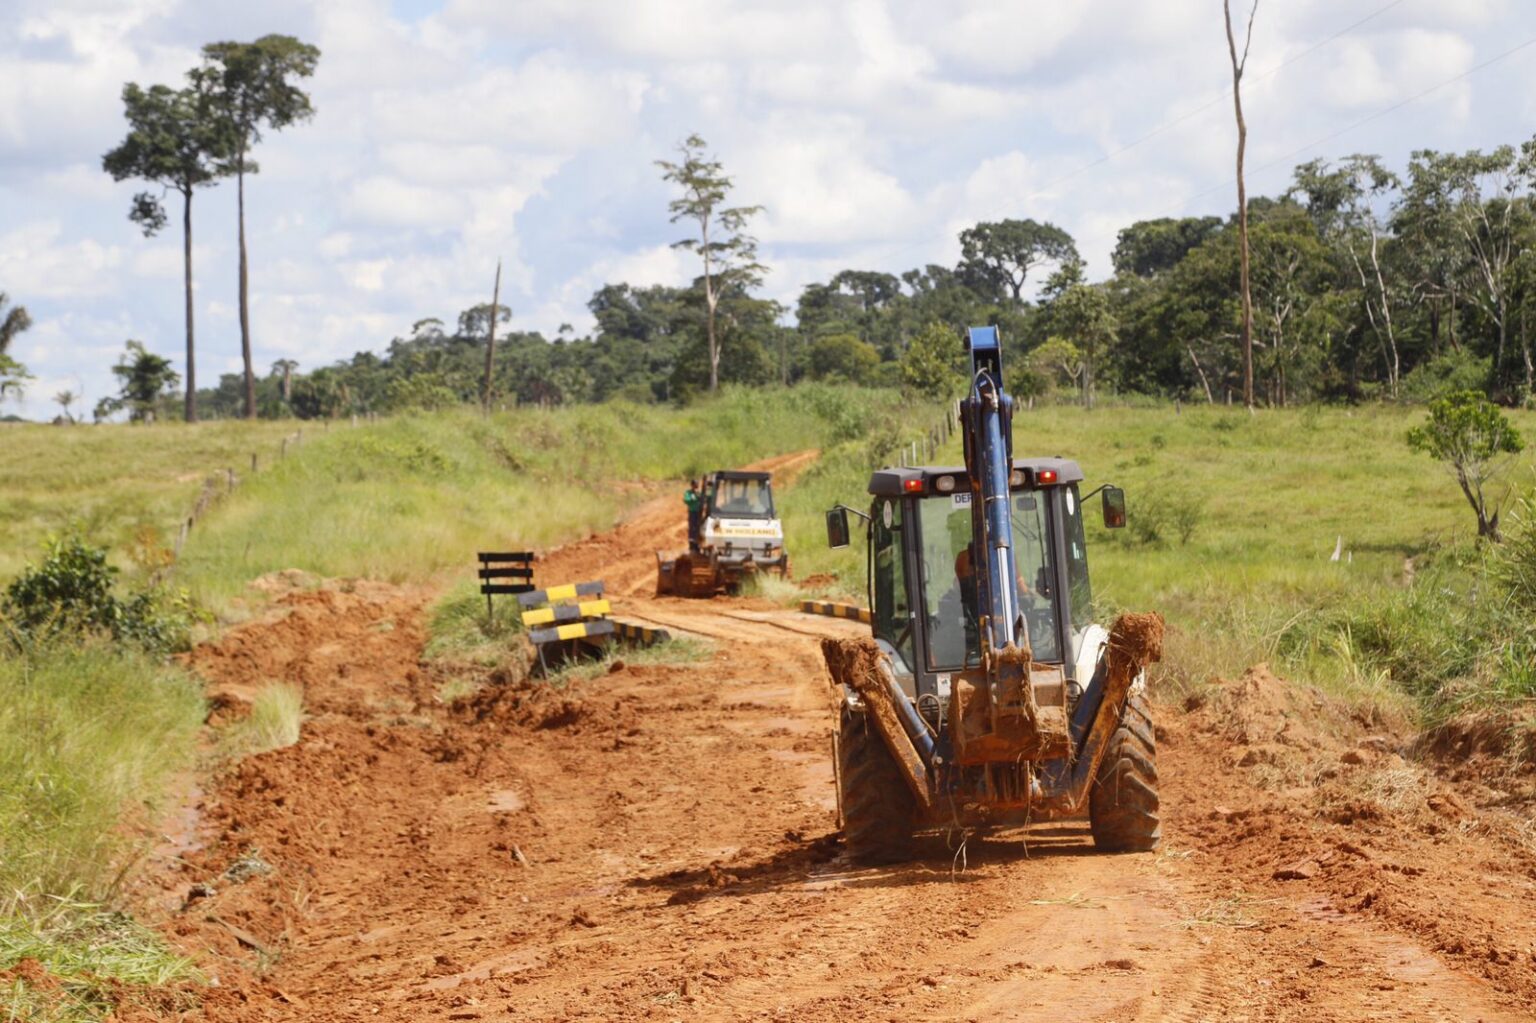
{"x":921,"y":574}
{"x":987,"y":695}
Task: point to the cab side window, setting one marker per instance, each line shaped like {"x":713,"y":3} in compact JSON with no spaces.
{"x":893,"y":614}
{"x":1077,"y":560}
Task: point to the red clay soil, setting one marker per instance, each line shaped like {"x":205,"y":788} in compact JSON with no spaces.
{"x":660,"y":843}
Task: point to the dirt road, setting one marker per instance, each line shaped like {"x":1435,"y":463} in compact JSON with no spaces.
{"x":660,"y":843}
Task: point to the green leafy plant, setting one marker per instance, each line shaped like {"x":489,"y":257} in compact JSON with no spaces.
{"x":72,"y":591}
{"x":1475,"y":438}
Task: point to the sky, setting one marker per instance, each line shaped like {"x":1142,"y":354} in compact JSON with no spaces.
{"x":452,"y":133}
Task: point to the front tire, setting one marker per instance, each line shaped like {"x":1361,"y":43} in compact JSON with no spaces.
{"x":1123,"y":807}
{"x":878,"y":808}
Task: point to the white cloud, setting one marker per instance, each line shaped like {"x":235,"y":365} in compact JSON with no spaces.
{"x":872,"y":130}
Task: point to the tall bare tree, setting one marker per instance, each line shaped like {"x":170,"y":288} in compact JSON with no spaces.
{"x":728,"y":251}
{"x":490,"y":341}
{"x":1238,"y":65}
{"x":252,"y":88}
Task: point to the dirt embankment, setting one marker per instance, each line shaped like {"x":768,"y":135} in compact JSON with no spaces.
{"x":660,"y":843}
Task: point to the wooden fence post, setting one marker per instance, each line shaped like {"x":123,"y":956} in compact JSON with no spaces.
{"x":253,"y":463}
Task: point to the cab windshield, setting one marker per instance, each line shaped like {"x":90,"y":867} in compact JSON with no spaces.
{"x":743,"y":499}
{"x":949,"y":590}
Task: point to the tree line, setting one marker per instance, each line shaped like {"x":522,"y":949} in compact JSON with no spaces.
{"x":1365,"y":282}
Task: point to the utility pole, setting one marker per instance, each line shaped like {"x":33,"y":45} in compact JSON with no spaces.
{"x":490,"y":341}
{"x":1238,"y":64}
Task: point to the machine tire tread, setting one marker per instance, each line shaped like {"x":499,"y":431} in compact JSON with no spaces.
{"x":1124,"y":804}
{"x":878,"y":808}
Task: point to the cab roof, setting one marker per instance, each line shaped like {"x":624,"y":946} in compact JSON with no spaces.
{"x":891,"y":482}
{"x":736,"y":474}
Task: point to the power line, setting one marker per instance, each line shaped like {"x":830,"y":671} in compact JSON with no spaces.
{"x":1216,"y":98}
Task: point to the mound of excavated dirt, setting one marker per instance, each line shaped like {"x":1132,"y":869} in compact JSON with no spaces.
{"x":346,"y":651}
{"x":528,"y":704}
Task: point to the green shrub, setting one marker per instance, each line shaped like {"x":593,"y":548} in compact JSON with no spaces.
{"x":1444,"y":374}
{"x":72,"y":592}
{"x":1160,"y":517}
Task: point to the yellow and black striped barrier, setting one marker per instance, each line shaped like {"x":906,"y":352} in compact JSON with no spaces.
{"x":641,"y":635}
{"x":567,"y":616}
{"x":831,"y":610}
{"x":579,"y":611}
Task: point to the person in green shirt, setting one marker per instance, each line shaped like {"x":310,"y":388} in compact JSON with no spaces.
{"x":695,"y":505}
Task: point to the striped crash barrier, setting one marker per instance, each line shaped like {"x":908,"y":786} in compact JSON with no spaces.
{"x":833,"y":610}
{"x":560,"y":612}
{"x":578,"y":611}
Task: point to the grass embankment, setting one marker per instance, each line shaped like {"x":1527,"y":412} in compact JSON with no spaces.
{"x":90,"y":733}
{"x":89,"y":736}
{"x":1265,"y":498}
{"x":415,"y":497}
{"x":115,"y":483}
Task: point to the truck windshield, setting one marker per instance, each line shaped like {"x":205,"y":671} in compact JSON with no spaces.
{"x":949,"y":592}
{"x":746,"y":499}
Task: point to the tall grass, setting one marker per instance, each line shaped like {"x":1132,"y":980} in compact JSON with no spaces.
{"x":413,"y":497}
{"x":88,"y":732}
{"x":1262,"y":499}
{"x":115,"y":482}
{"x":89,"y":736}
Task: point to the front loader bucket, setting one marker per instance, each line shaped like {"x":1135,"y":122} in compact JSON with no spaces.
{"x":688,"y":575}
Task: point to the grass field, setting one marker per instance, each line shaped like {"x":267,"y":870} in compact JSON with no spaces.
{"x":111,"y":482}
{"x":1265,"y":498}
{"x":415,"y":497}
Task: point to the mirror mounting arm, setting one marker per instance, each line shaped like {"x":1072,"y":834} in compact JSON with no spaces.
{"x":860,"y":514}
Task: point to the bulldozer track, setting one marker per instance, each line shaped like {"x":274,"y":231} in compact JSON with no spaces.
{"x":660,"y":843}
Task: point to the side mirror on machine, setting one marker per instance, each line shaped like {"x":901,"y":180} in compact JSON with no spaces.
{"x":1114,"y":508}
{"x":837,"y":527}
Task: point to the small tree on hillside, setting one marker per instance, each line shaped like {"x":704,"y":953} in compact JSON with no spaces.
{"x":144,"y":378}
{"x":931,"y":364}
{"x":842,"y":357}
{"x":728,"y":252}
{"x":1474,"y":437}
{"x":64,"y":399}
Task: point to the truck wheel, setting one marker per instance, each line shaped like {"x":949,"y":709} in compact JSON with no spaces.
{"x":878,"y":808}
{"x":1123,"y":808}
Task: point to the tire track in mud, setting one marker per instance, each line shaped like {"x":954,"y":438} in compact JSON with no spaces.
{"x":660,"y":844}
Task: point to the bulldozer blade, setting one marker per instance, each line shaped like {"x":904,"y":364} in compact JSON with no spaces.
{"x":666,"y":572}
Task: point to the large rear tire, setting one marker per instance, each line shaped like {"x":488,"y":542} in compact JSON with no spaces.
{"x":878,"y":808}
{"x":1123,"y":807}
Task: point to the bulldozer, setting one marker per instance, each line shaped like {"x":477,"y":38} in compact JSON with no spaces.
{"x":739,"y":534}
{"x":987,"y":696}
